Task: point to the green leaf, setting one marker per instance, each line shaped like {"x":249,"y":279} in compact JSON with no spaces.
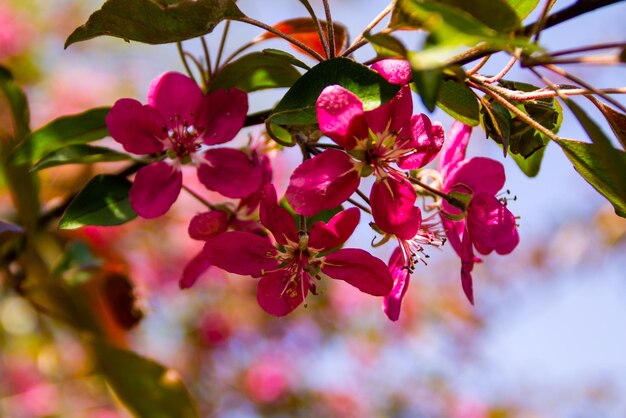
{"x":23,"y":186}
{"x":146,"y":387}
{"x":616,"y":120}
{"x":531,"y":165}
{"x":155,"y":22}
{"x":496,"y":14}
{"x":256,"y":71}
{"x":66,"y":130}
{"x":450,"y":26}
{"x":523,"y":7}
{"x":590,"y":162}
{"x":602,"y":165}
{"x":547,"y":112}
{"x":386,"y":46}
{"x":286,"y":57}
{"x":103,"y":201}
{"x":79,"y":154}
{"x":427,"y":79}
{"x":458,"y":101}
{"x":297,"y":107}
{"x":497,"y":122}
{"x":18,"y":104}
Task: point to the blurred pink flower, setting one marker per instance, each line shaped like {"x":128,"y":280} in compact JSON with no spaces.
{"x":16,"y":32}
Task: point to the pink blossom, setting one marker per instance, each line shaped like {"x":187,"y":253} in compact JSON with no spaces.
{"x":382,"y":142}
{"x":289,"y":266}
{"x":488,"y":224}
{"x":179,"y":119}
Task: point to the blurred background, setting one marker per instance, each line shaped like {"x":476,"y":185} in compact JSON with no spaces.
{"x":546,"y":338}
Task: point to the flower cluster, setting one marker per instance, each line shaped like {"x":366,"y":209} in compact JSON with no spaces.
{"x":279,"y":242}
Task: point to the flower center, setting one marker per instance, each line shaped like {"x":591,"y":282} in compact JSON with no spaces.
{"x":184,"y":138}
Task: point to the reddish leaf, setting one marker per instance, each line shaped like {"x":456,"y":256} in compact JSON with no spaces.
{"x":304,"y":30}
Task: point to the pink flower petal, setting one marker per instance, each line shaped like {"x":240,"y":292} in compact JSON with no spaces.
{"x":155,"y":189}
{"x":481,"y":175}
{"x":324,"y":237}
{"x":276,"y":297}
{"x":340,"y":116}
{"x":222,"y":115}
{"x":135,"y":126}
{"x":208,"y":224}
{"x":401,"y":276}
{"x":492,"y":226}
{"x":193,"y":270}
{"x":323,"y":182}
{"x":454,"y":232}
{"x":392,"y":116}
{"x":230,"y":172}
{"x":395,"y":71}
{"x":241,"y":253}
{"x":249,"y":203}
{"x":360,"y":269}
{"x":426,"y":141}
{"x":392,"y":207}
{"x":277,"y":219}
{"x":176,"y":96}
{"x":467,"y":265}
{"x":453,"y":150}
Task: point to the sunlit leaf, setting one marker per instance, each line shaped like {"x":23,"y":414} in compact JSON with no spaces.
{"x":147,"y":388}
{"x":496,"y":14}
{"x":386,"y":46}
{"x":304,"y":30}
{"x":427,"y":80}
{"x":458,"y":101}
{"x":256,"y":71}
{"x":531,"y":165}
{"x":66,"y":130}
{"x":451,"y":26}
{"x":103,"y":201}
{"x":79,"y":154}
{"x":523,"y":7}
{"x":155,"y":22}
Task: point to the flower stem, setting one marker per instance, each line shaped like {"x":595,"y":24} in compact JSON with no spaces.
{"x":207,"y":58}
{"x":330,"y":29}
{"x":360,"y":206}
{"x":220,"y":51}
{"x":198,"y":197}
{"x":280,"y":34}
{"x":359,"y":41}
{"x":320,"y":31}
{"x":181,"y":52}
{"x":427,"y":187}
